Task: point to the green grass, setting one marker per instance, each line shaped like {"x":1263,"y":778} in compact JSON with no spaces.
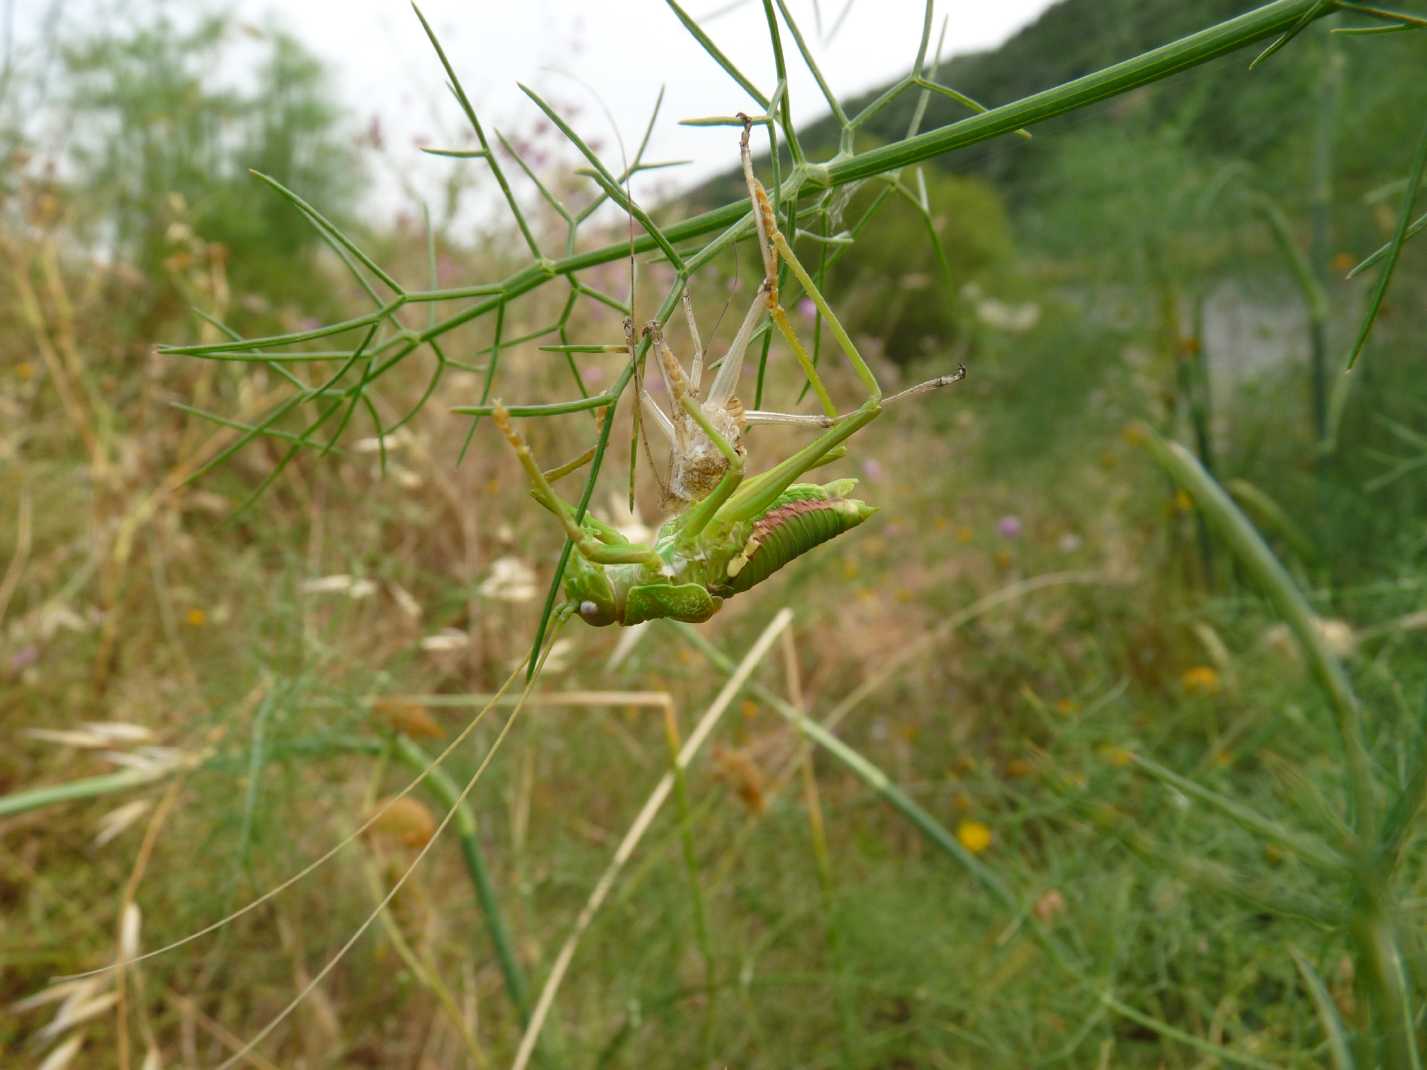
{"x":1087,"y":788}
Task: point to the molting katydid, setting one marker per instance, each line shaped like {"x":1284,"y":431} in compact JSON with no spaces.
{"x":731,"y":531}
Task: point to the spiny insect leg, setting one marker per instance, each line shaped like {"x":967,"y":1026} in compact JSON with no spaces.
{"x":760,"y":416}
{"x":585,"y":542}
{"x":696,"y":368}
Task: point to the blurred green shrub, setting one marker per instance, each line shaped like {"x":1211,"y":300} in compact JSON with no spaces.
{"x":897,"y":290}
{"x":158,"y":134}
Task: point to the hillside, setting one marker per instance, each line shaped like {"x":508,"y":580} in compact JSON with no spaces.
{"x":1225,"y":109}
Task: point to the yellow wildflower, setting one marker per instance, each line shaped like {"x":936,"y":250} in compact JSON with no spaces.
{"x":196,"y":618}
{"x":1201,"y":680}
{"x":1116,"y":756}
{"x":974,"y":836}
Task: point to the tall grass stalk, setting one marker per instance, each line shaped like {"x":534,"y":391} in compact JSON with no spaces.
{"x":691,"y":865}
{"x":738,"y":675}
{"x":452,"y":814}
{"x":448,"y":793}
{"x":1372,"y":851}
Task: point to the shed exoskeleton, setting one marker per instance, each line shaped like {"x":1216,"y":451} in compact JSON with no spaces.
{"x":731,"y":532}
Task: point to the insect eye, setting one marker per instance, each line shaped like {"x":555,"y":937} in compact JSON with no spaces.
{"x":589,"y":610}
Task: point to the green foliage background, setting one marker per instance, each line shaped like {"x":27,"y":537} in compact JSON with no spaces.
{"x":1037,"y":613}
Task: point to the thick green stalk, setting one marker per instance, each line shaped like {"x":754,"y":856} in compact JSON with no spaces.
{"x":1260,"y":563}
{"x":448,"y":794}
{"x":1202,"y":47}
{"x":1218,"y":40}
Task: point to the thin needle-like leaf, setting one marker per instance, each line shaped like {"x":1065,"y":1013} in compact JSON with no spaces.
{"x":1417,"y":226}
{"x":490,"y":379}
{"x":834,"y":105}
{"x":716,"y":54}
{"x":332,"y":230}
{"x":466,"y":107}
{"x":1414,"y":182}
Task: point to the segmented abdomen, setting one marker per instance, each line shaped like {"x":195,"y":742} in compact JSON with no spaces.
{"x":802,"y":517}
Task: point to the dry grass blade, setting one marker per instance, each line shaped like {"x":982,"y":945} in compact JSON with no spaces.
{"x":322,"y":859}
{"x":400,"y":882}
{"x":641,"y":824}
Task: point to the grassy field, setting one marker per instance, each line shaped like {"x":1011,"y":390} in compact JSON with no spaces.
{"x":1086,"y":750}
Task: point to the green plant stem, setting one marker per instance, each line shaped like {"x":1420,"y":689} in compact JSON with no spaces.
{"x":691,"y":864}
{"x":448,"y":794}
{"x":1394,"y":249}
{"x":86,"y":788}
{"x":1387,"y":982}
{"x":1339,"y":1047}
{"x":1245,"y":817}
{"x":1315,"y":299}
{"x":1159,"y":63}
{"x":1259,"y":561}
{"x":1330,"y":84}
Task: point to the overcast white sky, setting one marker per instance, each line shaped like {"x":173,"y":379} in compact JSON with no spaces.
{"x":622,"y":50}
{"x":619,"y":51}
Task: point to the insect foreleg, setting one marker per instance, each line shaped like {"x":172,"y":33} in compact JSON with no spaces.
{"x":585,"y":542}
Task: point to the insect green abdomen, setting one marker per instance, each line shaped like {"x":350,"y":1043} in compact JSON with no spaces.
{"x":803,"y":516}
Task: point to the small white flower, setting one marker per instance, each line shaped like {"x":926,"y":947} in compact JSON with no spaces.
{"x":405,"y":477}
{"x":444,"y":640}
{"x":1007,"y":317}
{"x":341,"y":583}
{"x":394,"y":441}
{"x":510,"y":580}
